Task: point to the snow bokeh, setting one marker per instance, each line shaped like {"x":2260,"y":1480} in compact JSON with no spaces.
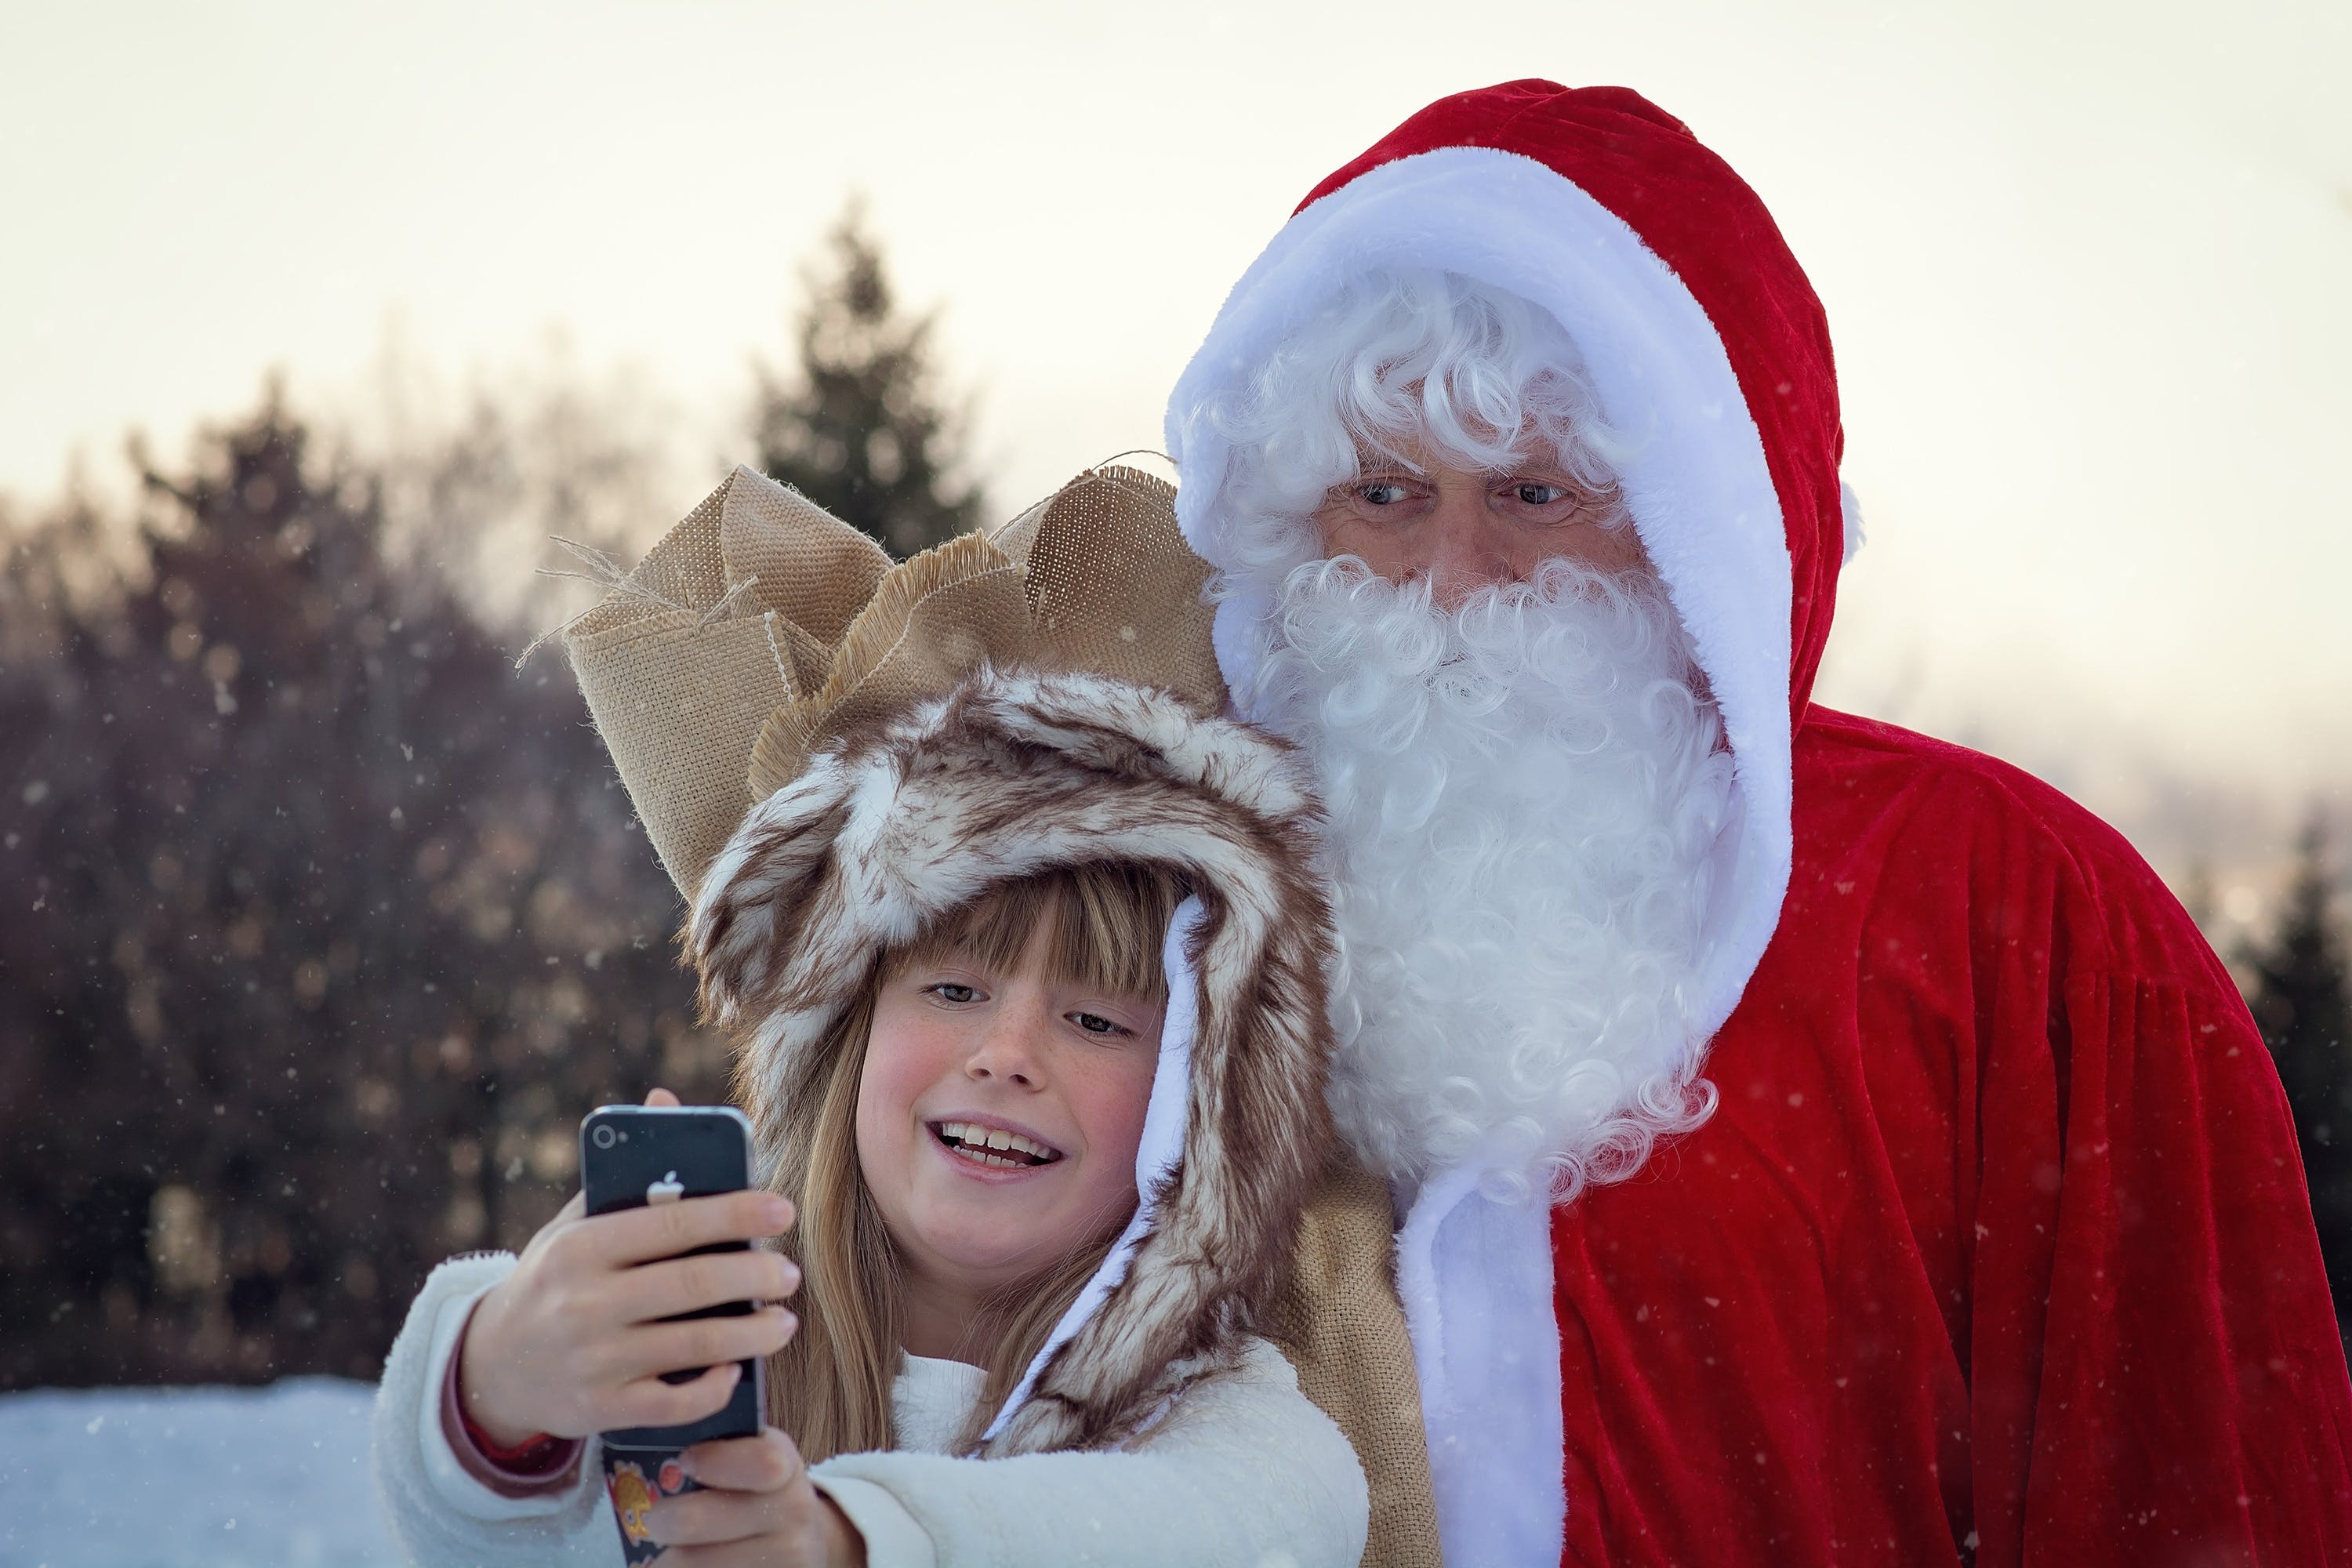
{"x":191,"y":1478}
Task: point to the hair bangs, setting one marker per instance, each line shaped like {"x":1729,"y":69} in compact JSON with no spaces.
{"x":1104,"y":924}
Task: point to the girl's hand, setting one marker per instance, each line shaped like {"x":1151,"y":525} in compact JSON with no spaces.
{"x":757,"y":1507}
{"x":571,"y":1343}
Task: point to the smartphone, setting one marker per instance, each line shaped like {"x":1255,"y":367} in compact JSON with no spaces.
{"x":632,"y":1155}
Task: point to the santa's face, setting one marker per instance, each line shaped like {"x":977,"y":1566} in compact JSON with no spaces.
{"x":1431,"y":578}
{"x":1411,"y":514}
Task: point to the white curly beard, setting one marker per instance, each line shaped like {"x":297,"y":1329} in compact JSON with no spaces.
{"x":1523,"y":796}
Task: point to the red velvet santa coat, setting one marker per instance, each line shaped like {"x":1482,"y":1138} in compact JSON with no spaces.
{"x":1997,"y":1249}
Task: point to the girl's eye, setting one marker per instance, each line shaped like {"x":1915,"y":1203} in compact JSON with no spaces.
{"x":1096,"y":1024}
{"x":948,"y":991}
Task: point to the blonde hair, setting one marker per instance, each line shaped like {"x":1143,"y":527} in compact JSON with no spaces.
{"x":830,"y":1387}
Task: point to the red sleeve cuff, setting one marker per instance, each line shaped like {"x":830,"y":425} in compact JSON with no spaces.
{"x":534,"y":1456}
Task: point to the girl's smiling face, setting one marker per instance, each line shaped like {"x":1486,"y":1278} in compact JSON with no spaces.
{"x":999,"y":1113}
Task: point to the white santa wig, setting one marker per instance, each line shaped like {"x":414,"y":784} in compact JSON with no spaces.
{"x":1480,"y":376}
{"x":1525,"y":790}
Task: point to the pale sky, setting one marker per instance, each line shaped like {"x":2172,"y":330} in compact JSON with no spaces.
{"x":2089,"y":267}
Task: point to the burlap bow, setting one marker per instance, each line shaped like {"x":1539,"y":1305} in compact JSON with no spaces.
{"x":761,"y":629}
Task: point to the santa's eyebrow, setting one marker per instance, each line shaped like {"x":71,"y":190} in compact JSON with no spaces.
{"x":1370,"y":455}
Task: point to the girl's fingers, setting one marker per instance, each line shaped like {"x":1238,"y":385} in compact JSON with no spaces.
{"x":766,"y":1463}
{"x":555,"y":1229}
{"x":649,"y":1350}
{"x":758,"y":1552}
{"x":715,"y":1516}
{"x":684,"y":1285}
{"x":662,"y":1097}
{"x":650,"y":1402}
{"x":665,"y":1230}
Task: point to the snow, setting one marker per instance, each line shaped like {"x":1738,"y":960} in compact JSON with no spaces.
{"x":191,"y":1478}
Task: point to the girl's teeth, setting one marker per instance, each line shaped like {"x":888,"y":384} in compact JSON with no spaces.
{"x":994,"y":1145}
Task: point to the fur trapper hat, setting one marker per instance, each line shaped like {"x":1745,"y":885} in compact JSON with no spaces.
{"x":1041,"y":697}
{"x":1016,"y":773}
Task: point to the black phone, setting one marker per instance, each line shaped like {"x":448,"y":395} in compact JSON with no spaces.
{"x":632,"y":1155}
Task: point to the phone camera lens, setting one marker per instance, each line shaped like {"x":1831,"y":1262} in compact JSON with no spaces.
{"x":602,"y":1137}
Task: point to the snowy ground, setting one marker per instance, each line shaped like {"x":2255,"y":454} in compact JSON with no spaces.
{"x":195,"y":1478}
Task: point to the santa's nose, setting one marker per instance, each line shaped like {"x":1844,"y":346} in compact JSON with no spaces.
{"x":1466,"y":549}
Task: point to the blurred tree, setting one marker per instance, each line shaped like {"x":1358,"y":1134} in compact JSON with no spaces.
{"x":476,"y":475}
{"x":2301,"y":1001}
{"x":331,"y":928}
{"x":860,"y":428}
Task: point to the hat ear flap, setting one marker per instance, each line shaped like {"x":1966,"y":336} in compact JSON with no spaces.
{"x":760,"y":894}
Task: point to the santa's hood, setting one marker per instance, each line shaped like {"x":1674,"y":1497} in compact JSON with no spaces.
{"x":1708,"y":351}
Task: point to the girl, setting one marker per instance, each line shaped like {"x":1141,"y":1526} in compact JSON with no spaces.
{"x":1029,"y":987}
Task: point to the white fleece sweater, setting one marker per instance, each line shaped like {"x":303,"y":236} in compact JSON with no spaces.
{"x":1243,"y":1469}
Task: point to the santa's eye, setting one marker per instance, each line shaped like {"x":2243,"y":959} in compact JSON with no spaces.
{"x":1382,"y":492}
{"x":1536,"y":492}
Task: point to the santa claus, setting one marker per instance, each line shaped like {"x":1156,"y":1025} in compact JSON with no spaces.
{"x":1812,"y":1141}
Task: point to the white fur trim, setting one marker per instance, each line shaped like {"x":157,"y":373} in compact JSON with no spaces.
{"x":889,"y":1533}
{"x":1164,"y":1126}
{"x":1476,"y":1277}
{"x":1850,"y":513}
{"x":438,"y":1513}
{"x":1284,"y":1484}
{"x":1243,"y":1469}
{"x":448,"y":1476}
{"x":919,"y":815}
{"x":1697,"y":485}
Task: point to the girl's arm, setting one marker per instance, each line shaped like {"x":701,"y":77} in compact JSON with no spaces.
{"x":1242,"y":1469}
{"x":571,"y":1339}
{"x":440,"y":1512}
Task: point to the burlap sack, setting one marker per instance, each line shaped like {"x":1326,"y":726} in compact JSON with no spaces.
{"x":1341,"y":1325}
{"x":760,"y":628}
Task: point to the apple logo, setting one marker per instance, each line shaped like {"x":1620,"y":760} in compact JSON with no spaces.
{"x":668,"y":1190}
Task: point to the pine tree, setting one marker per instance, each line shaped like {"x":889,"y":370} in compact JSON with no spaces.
{"x":861,"y":429}
{"x":2300,"y":999}
{"x":331,"y":926}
